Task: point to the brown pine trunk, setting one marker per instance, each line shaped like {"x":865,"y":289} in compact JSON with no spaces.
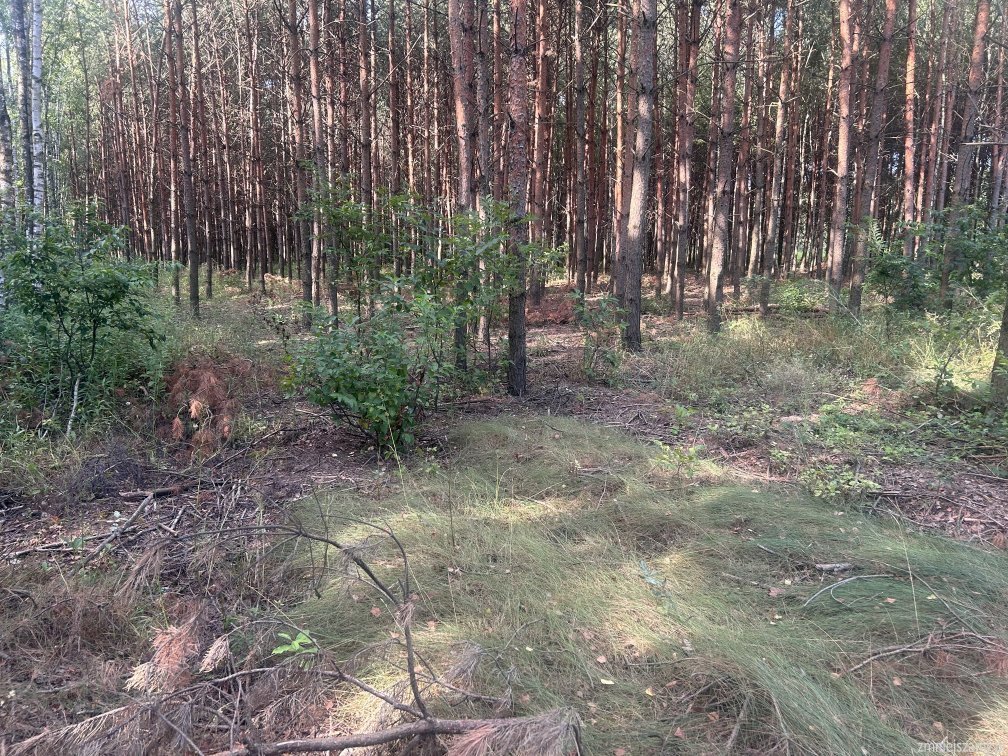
{"x":720,"y":237}
{"x":580,"y":204}
{"x":460,"y":34}
{"x":876,"y":123}
{"x":644,"y":64}
{"x":543,"y":128}
{"x":962,"y":177}
{"x":686,"y":132}
{"x":295,"y":84}
{"x":838,"y":221}
{"x":193,"y":241}
{"x":909,"y":143}
{"x":518,"y":137}
{"x":779,"y":147}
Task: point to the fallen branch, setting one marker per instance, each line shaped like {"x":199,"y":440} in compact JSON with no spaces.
{"x":424,"y":727}
{"x":929,"y":643}
{"x":117,"y":530}
{"x":156,"y":493}
{"x":738,"y":724}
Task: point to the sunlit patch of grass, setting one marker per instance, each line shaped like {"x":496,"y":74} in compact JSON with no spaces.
{"x":663,"y":613}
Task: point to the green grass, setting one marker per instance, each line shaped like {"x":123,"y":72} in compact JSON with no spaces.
{"x":567,"y":565}
{"x":792,"y":361}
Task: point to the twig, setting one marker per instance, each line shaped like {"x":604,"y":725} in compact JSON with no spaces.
{"x":73,"y":407}
{"x":341,"y":675}
{"x":116,"y":531}
{"x":738,"y":724}
{"x":156,"y":493}
{"x":821,"y":591}
{"x":188,"y":741}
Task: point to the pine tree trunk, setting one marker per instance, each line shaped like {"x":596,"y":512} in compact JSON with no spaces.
{"x":838,"y":221}
{"x":720,"y":238}
{"x":909,"y":144}
{"x":517,"y":165}
{"x":961,"y":180}
{"x":686,"y":132}
{"x":644,"y":64}
{"x":876,"y":123}
{"x":779,"y":147}
{"x":580,"y":203}
{"x":185,"y":154}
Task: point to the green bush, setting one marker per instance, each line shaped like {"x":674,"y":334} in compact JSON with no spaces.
{"x":898,"y":280}
{"x":79,"y":323}
{"x":379,"y":375}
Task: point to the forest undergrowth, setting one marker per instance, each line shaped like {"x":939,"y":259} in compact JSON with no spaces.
{"x":730,"y":543}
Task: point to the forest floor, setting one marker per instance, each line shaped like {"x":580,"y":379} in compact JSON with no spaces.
{"x":786,"y":539}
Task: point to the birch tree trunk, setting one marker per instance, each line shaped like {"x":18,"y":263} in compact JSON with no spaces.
{"x":24,"y":93}
{"x":6,"y":161}
{"x":909,"y":146}
{"x":37,"y":134}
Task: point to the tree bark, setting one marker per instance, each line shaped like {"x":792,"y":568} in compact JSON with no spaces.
{"x":720,"y":240}
{"x":194,"y":243}
{"x":967,"y":148}
{"x":686,"y":133}
{"x":517,"y":193}
{"x":838,"y":221}
{"x":909,"y":145}
{"x":779,"y":148}
{"x":19,"y":24}
{"x":37,"y":134}
{"x":580,"y":203}
{"x":644,"y":63}
{"x":876,"y":123}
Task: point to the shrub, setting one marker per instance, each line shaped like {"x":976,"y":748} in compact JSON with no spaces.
{"x":373,"y":378}
{"x":79,"y":323}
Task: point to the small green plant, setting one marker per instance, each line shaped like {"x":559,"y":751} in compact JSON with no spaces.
{"x":683,"y":461}
{"x":799,"y":295}
{"x":780,"y":459}
{"x":747,"y":427}
{"x":301,"y":645}
{"x":838,"y":483}
{"x":600,"y":321}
